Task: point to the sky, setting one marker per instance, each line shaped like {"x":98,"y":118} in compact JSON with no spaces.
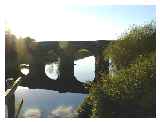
{"x":47,"y":20}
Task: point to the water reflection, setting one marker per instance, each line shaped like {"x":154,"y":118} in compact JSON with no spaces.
{"x":63,"y":111}
{"x":47,"y":103}
{"x":32,"y":113}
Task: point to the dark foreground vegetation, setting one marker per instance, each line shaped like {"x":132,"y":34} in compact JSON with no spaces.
{"x":129,"y":90}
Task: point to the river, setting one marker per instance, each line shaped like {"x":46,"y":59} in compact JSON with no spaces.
{"x":48,"y":103}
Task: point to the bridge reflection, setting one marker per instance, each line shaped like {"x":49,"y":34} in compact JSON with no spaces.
{"x":73,"y":86}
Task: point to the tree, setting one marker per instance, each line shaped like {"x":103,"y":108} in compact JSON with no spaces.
{"x":140,"y":40}
{"x":131,"y":91}
{"x":11,"y":61}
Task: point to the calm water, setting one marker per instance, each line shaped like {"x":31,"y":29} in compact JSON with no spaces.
{"x":49,"y":103}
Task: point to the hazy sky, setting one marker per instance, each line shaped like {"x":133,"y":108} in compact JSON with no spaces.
{"x":47,"y":20}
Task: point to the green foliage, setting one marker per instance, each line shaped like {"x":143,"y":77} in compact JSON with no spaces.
{"x":130,"y":92}
{"x":85,"y":109}
{"x":138,"y":41}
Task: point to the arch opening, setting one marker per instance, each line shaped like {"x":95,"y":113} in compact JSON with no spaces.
{"x":52,"y":65}
{"x":52,"y":70}
{"x":84,"y":65}
{"x":24,"y":68}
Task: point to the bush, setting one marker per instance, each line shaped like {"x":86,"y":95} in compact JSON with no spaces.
{"x":131,"y":92}
{"x":85,"y":109}
{"x":133,"y":89}
{"x":138,"y":41}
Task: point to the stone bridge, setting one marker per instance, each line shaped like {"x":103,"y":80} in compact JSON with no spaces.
{"x":42,"y":53}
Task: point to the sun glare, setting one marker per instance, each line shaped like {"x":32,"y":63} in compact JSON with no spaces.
{"x":56,"y":22}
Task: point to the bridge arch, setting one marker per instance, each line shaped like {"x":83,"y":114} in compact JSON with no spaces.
{"x":51,"y":64}
{"x":43,"y":54}
{"x":52,"y":69}
{"x":84,"y":65}
{"x":82,"y":52}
